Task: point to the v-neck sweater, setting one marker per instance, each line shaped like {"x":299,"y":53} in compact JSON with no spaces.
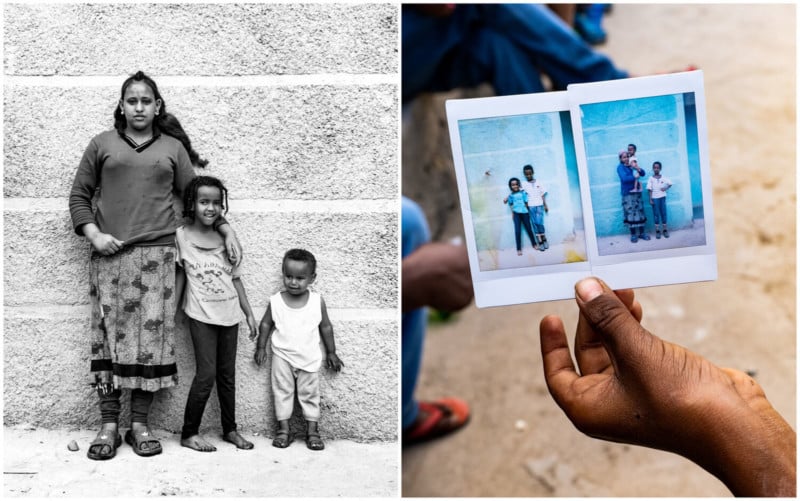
{"x":135,"y":185}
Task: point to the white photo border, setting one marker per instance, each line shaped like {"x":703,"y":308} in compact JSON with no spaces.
{"x":519,"y":285}
{"x":628,"y":270}
{"x":657,"y":267}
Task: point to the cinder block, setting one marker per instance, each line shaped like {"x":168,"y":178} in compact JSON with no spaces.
{"x":207,"y":39}
{"x":47,"y":380}
{"x":356,"y":254}
{"x":297,"y":142}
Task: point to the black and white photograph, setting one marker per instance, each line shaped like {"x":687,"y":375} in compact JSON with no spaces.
{"x":193,"y":197}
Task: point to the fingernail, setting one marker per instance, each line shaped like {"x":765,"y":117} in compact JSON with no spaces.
{"x":588,"y":289}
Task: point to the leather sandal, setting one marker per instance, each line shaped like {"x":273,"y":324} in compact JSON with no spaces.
{"x":282,"y":439}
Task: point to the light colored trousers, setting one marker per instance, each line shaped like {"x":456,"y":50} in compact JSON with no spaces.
{"x":283,"y":389}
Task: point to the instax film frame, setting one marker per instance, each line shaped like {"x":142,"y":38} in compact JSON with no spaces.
{"x":553,"y":281}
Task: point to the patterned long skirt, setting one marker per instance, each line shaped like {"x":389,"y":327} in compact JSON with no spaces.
{"x":133,"y":318}
{"x":633,"y":210}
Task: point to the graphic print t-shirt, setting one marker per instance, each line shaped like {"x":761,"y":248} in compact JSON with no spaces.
{"x":210,"y":296}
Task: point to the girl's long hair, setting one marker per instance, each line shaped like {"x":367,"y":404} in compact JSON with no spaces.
{"x":166,"y":123}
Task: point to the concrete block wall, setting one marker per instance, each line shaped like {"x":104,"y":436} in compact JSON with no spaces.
{"x":657,"y":126}
{"x":501,"y":146}
{"x":295,"y":107}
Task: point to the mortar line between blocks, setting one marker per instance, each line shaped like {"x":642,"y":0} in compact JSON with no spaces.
{"x":238,"y":206}
{"x":320,"y":79}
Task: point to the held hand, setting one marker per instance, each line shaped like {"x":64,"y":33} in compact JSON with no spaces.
{"x":260,"y":356}
{"x":334,"y":362}
{"x":106,"y":244}
{"x":437,"y":275}
{"x":234,"y":249}
{"x":635,"y":388}
{"x":252,"y":325}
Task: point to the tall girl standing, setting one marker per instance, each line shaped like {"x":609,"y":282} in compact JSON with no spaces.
{"x":134,"y":171}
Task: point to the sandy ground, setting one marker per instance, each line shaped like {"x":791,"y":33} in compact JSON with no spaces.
{"x":37,"y":463}
{"x":519,"y":443}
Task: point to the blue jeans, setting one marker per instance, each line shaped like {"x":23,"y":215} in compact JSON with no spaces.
{"x":415,"y":233}
{"x":524,"y":219}
{"x":505,"y":45}
{"x":537,"y":218}
{"x":660,"y":210}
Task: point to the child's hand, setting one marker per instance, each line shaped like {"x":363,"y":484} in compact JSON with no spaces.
{"x":505,"y":200}
{"x":546,"y":209}
{"x":260,"y":356}
{"x":635,"y":388}
{"x":234,"y":249}
{"x":334,"y":362}
{"x":253,"y":326}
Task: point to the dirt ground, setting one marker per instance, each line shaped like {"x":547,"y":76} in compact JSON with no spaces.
{"x":38,"y":464}
{"x":519,"y":443}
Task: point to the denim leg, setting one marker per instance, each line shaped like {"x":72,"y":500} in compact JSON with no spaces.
{"x":537,"y":218}
{"x":227,"y":340}
{"x":517,"y":235}
{"x":414,"y":234}
{"x":526,"y":222}
{"x":462,"y":50}
{"x":506,"y":45}
{"x":656,"y":212}
{"x":553,"y":46}
{"x":204,"y":340}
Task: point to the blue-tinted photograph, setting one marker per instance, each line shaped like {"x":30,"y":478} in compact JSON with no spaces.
{"x":524,"y":192}
{"x":644,"y":173}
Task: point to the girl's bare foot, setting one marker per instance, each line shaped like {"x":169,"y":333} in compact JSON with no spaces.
{"x":197,"y":443}
{"x":237,"y":440}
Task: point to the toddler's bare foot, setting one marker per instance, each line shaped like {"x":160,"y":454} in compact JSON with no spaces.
{"x":197,"y":443}
{"x":237,"y":440}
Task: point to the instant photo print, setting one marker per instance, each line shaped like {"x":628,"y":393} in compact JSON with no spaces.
{"x":547,"y":198}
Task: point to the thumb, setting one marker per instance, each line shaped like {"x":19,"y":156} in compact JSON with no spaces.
{"x":611,"y":320}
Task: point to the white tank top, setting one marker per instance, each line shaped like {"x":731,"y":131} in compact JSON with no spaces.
{"x":296,"y":338}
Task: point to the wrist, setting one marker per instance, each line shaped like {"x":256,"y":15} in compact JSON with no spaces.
{"x":753,"y":452}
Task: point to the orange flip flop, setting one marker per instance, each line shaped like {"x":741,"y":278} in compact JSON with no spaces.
{"x":437,"y":418}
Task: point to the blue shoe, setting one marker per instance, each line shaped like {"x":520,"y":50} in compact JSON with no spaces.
{"x":589,"y":30}
{"x":644,"y":236}
{"x":634,"y":239}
